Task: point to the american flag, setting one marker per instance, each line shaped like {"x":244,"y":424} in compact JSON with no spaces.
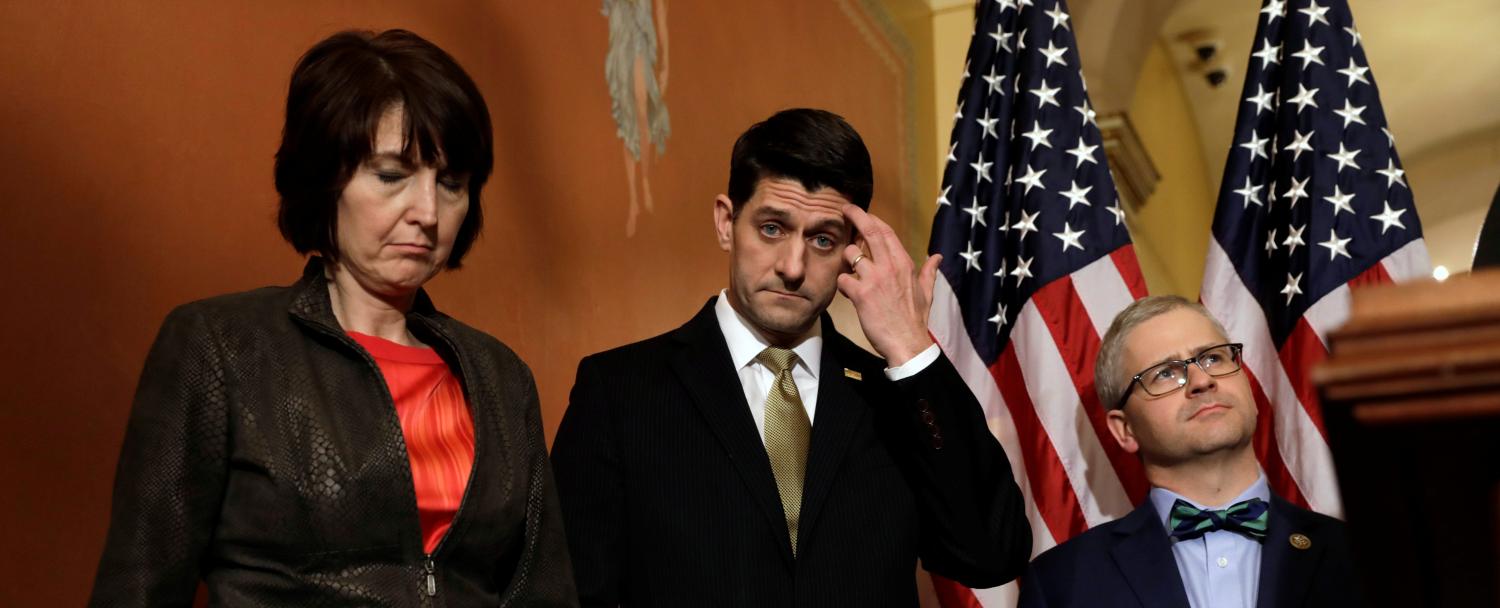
{"x":1314,"y":202}
{"x":1036,"y":263}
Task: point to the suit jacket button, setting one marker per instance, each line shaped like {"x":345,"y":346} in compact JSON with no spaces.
{"x":937,"y":441}
{"x":923,"y":406}
{"x":927,"y":417}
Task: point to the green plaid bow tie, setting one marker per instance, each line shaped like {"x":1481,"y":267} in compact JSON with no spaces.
{"x":1247,"y":518}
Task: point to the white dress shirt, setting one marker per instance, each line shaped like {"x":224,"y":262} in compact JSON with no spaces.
{"x":745,"y":344}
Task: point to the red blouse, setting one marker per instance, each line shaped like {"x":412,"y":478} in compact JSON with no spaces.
{"x":435,"y":421}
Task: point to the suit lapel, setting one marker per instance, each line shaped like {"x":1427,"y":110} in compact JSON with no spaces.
{"x":704,"y":367}
{"x":1286,"y":572}
{"x":1143,"y":553}
{"x":840,"y":411}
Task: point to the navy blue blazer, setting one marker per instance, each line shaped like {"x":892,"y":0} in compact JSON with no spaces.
{"x":1129,"y":562}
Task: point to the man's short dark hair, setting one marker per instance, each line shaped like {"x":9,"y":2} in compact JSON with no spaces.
{"x":339,"y":91}
{"x":814,"y":147}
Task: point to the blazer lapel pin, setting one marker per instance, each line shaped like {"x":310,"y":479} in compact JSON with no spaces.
{"x":853,"y":375}
{"x":1300,"y":541}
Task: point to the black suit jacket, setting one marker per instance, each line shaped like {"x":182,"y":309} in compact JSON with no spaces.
{"x":669,"y":500}
{"x":1128,"y":563}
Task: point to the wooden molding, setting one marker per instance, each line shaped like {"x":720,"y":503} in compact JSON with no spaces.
{"x":1437,"y":345}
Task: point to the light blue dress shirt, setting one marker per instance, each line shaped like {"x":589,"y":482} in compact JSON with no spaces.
{"x":1220,"y":569}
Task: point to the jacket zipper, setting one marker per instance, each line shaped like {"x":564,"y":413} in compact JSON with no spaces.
{"x":431,"y":576}
{"x":429,"y":567}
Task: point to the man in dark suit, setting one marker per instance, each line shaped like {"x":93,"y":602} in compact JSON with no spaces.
{"x":755,"y":456}
{"x":1211,"y":533}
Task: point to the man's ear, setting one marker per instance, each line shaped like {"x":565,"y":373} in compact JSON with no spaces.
{"x":1119,"y":426}
{"x":724,"y":221}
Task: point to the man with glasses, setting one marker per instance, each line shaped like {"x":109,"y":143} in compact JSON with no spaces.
{"x":1210,"y":533}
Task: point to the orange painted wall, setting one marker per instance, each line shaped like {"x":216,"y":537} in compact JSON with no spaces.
{"x":136,"y":141}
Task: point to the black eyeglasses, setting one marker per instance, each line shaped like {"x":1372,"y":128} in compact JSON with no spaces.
{"x":1168,"y":376}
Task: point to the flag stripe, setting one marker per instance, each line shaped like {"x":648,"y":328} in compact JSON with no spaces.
{"x":1306,"y":453}
{"x":1267,"y":450}
{"x":1055,"y":500}
{"x":996,"y":597}
{"x":1330,"y":313}
{"x":953,"y":595}
{"x":1409,"y":263}
{"x":1374,"y":276}
{"x":1099,"y":492}
{"x":1073,"y":331}
{"x":1103,"y":288}
{"x":1299,"y":354}
{"x":1130,"y":271}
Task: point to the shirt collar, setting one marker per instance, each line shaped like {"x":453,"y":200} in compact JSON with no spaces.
{"x":1163,"y":499}
{"x":745,"y":344}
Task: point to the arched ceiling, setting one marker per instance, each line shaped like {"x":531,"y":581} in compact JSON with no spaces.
{"x":1435,"y":63}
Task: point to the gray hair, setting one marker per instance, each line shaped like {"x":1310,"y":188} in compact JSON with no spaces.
{"x":1110,"y":381}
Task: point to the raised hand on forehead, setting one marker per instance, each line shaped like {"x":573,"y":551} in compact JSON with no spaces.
{"x":890,"y":299}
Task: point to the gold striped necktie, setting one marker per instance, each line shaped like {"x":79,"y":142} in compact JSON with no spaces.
{"x":787,"y":432}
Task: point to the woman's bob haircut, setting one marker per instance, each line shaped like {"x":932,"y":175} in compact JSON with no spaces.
{"x":339,"y":91}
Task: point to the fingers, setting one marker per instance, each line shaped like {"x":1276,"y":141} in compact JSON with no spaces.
{"x":927,"y":277}
{"x":879,"y":236}
{"x":853,"y":254}
{"x":847,"y":284}
{"x":863,"y":222}
{"x":889,"y":247}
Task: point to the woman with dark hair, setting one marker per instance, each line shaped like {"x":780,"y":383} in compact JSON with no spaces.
{"x":340,"y":441}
